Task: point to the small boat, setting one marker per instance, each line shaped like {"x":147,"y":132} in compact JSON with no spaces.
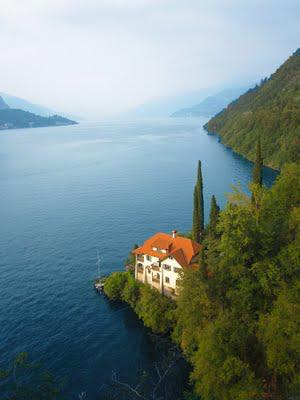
{"x":99,"y":286}
{"x":99,"y":282}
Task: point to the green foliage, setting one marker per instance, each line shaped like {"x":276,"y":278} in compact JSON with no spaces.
{"x":238,"y":316}
{"x":270,"y":111}
{"x":115,"y":284}
{"x":196,"y":222}
{"x":280,"y":334}
{"x":258,"y":166}
{"x":219,"y":370}
{"x":200,"y":197}
{"x":131,"y":291}
{"x":156,"y":311}
{"x":213,"y":216}
{"x":198,"y":212}
{"x":14,"y":118}
{"x":25,"y":380}
{"x":193,"y":306}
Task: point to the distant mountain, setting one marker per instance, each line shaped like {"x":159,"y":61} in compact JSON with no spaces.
{"x":14,"y":119}
{"x":3,"y":105}
{"x":22,"y":104}
{"x":164,"y":106}
{"x":211,"y":105}
{"x":270,"y":111}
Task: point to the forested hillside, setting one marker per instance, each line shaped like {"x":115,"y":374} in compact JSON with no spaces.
{"x":15,"y":119}
{"x":270,"y":111}
{"x":237,"y":318}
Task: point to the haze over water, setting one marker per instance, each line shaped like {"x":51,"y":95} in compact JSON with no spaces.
{"x":68,"y":192}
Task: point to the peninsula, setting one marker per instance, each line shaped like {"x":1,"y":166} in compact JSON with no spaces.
{"x":12,"y":118}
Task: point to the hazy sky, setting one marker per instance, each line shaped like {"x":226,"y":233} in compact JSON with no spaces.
{"x":92,"y":57}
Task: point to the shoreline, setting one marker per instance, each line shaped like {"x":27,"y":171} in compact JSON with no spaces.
{"x":220,"y":137}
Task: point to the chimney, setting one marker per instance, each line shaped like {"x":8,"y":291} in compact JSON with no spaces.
{"x":174,"y":234}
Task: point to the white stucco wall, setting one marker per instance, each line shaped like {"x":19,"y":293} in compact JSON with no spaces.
{"x":163,"y":273}
{"x":172,"y":275}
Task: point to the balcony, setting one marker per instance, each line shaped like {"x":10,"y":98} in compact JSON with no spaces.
{"x":156,"y":278}
{"x":155,"y":267}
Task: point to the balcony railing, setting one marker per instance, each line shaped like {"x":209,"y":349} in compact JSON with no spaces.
{"x":156,"y":278}
{"x":155,"y":267}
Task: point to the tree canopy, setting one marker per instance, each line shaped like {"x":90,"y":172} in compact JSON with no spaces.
{"x":239,"y":323}
{"x":270,"y":111}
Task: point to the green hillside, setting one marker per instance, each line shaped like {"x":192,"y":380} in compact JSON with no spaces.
{"x":272,"y":111}
{"x":15,"y":119}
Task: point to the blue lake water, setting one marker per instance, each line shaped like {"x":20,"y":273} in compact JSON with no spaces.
{"x":68,"y":192}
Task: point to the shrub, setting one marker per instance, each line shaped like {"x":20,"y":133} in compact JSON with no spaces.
{"x":114,"y":285}
{"x":156,"y":311}
{"x":131,"y":291}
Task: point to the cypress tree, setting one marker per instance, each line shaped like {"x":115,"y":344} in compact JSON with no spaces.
{"x":196,"y":226}
{"x":198,"y":214}
{"x":257,"y":176}
{"x":213,"y":216}
{"x":200,"y":198}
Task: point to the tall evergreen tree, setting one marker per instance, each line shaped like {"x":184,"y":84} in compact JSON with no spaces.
{"x":198,"y":215}
{"x":257,"y":176}
{"x":196,"y":226}
{"x":213,"y":216}
{"x":200,"y":198}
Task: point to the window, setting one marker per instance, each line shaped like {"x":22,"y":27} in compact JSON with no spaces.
{"x":159,"y":250}
{"x":140,"y":267}
{"x":149,"y":258}
{"x":177,"y":270}
{"x":167,"y":279}
{"x":167,"y":267}
{"x":156,"y":278}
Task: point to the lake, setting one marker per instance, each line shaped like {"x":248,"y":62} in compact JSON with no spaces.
{"x":70,"y":192}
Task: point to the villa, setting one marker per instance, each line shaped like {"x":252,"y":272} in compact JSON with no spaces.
{"x":162,"y":258}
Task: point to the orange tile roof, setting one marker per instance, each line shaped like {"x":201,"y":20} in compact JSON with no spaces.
{"x":182,"y":249}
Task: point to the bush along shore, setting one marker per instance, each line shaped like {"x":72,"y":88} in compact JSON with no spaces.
{"x":237,"y":318}
{"x":156,"y":311}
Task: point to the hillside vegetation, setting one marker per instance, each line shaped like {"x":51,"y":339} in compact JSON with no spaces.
{"x":237,"y":318}
{"x":272,"y":111}
{"x":14,"y":119}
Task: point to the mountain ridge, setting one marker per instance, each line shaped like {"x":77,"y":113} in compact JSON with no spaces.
{"x":25,"y":105}
{"x":270,"y":111}
{"x":211,"y":105}
{"x":16,"y":119}
{"x":3,"y":105}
